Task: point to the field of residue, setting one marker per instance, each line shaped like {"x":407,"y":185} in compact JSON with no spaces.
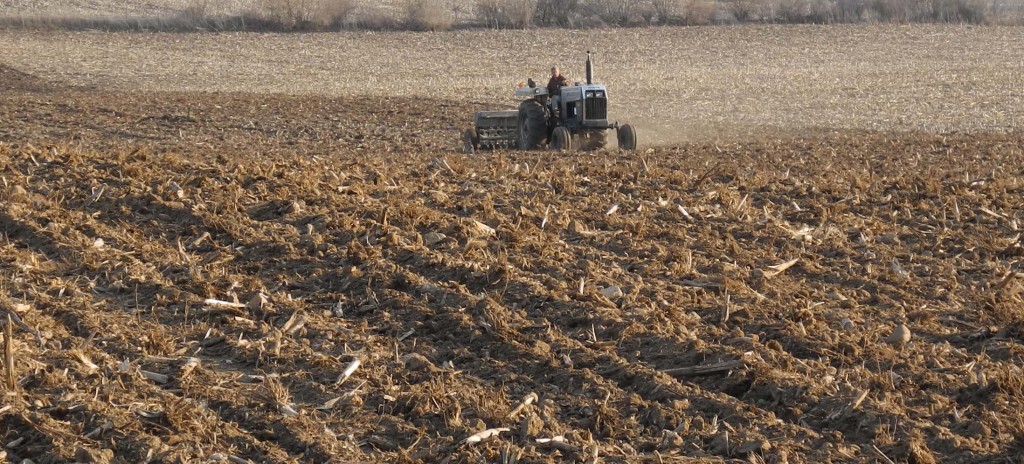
{"x":231,"y":277}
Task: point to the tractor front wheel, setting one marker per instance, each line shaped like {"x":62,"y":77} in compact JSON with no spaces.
{"x":627,"y":137}
{"x":561,"y":139}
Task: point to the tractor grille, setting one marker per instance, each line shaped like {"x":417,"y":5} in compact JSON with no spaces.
{"x":597,"y":108}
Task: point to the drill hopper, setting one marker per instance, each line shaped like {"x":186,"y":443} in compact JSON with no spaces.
{"x":492,"y":129}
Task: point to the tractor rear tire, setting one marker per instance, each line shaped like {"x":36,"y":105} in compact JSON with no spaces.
{"x":561,"y":139}
{"x":533,"y":125}
{"x":627,"y":137}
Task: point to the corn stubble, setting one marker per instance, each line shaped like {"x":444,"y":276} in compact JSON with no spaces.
{"x":300,"y":278}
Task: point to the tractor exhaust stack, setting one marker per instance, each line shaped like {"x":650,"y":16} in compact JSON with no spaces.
{"x":590,"y":69}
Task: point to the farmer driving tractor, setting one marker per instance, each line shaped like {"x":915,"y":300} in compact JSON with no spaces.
{"x":557,"y":81}
{"x":555,"y":85}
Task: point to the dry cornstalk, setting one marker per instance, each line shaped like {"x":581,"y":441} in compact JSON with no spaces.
{"x":701,"y":284}
{"x":407,"y":334}
{"x":558,"y":443}
{"x":287,"y":410}
{"x":155,"y":376}
{"x":190,"y":365}
{"x":482,"y":229}
{"x":230,"y":304}
{"x":700,"y":180}
{"x":726,"y":308}
{"x":706,"y":369}
{"x":1010,"y":275}
{"x":212,"y":341}
{"x":803,"y":234}
{"x":882,"y":455}
{"x":484,"y":435}
{"x":528,"y":400}
{"x":9,"y":354}
{"x":685,"y":213}
{"x":84,"y":359}
{"x":199,"y":241}
{"x":21,"y":323}
{"x":330,"y":404}
{"x":105,"y":426}
{"x":294,"y":323}
{"x":858,"y":400}
{"x":780,"y":268}
{"x":993,"y":213}
{"x":443,"y":163}
{"x":352,"y":366}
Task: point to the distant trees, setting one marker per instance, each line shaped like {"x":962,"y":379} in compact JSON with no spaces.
{"x":506,"y":14}
{"x":428,"y":15}
{"x":439,"y":15}
{"x":599,"y":13}
{"x":298,"y":14}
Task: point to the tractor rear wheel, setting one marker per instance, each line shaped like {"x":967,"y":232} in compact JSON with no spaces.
{"x":561,"y":139}
{"x":627,"y":137}
{"x":533,"y":125}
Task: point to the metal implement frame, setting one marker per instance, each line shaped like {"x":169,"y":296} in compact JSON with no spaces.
{"x":497,"y":129}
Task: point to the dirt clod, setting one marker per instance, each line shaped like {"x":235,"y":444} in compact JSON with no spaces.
{"x":258,"y":302}
{"x":900,"y":336}
{"x":577,"y":228}
{"x":751,"y":446}
{"x":433,"y":238}
{"x":418,"y":362}
{"x":101,"y":456}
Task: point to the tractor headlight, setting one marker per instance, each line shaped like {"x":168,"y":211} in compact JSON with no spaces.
{"x":600,"y":94}
{"x":590,"y":94}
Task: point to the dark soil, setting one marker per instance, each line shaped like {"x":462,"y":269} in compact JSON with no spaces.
{"x":657,"y":332}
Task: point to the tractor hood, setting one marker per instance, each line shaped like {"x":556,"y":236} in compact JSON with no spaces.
{"x":579,"y":92}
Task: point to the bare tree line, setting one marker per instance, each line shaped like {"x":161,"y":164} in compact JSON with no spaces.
{"x":434,"y":15}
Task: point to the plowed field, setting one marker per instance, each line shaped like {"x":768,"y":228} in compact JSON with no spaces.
{"x":193,"y":277}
